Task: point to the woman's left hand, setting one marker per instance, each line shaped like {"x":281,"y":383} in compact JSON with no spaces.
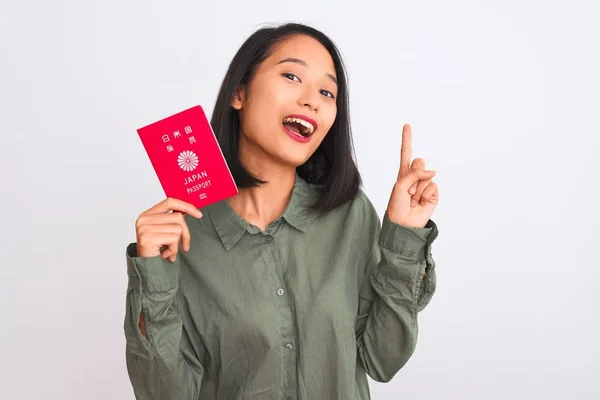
{"x":415,"y":195}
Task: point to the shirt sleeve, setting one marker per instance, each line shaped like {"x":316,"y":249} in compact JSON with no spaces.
{"x":158,"y":367}
{"x":399,"y":282}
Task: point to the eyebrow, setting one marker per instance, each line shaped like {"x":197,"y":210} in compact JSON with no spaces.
{"x":303,"y":63}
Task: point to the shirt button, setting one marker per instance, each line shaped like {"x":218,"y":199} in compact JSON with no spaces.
{"x":280,"y":292}
{"x":269,"y":239}
{"x":289,"y":347}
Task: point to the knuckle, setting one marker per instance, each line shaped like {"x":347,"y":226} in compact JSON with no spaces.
{"x":141,"y":230}
{"x":143,"y":238}
{"x":141,"y":219}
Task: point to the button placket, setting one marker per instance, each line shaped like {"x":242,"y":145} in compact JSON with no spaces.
{"x":284,"y":309}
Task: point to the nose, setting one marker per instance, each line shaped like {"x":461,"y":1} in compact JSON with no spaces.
{"x":309,"y":98}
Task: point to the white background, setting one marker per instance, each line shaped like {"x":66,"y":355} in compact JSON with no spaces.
{"x":503,"y":97}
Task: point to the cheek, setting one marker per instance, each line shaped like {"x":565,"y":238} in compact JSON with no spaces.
{"x":256,"y":115}
{"x":270,"y":92}
{"x":265,"y":106}
{"x":328,"y":117}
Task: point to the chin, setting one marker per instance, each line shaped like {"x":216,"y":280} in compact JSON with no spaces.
{"x":294,"y":161}
{"x":292,"y":157}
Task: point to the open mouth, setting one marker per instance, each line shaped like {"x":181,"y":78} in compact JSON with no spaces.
{"x":299,"y":126}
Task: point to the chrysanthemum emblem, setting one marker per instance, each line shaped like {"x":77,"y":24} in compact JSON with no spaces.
{"x":187,"y":160}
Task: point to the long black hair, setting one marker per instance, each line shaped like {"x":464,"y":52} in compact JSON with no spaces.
{"x":332,"y":166}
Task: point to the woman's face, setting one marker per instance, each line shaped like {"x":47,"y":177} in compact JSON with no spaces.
{"x":290,"y":104}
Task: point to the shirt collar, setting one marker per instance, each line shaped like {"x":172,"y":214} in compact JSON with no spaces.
{"x":231,"y":227}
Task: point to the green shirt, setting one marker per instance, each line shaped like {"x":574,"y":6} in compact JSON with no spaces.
{"x":304,"y":310}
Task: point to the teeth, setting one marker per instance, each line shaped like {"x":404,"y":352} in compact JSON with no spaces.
{"x":309,"y":127}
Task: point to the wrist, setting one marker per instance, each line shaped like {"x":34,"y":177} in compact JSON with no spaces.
{"x":394,"y":217}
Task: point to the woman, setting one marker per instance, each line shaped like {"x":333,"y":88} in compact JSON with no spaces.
{"x":292,"y":289}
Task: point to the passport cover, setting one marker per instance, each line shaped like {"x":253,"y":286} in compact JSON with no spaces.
{"x":187,"y":158}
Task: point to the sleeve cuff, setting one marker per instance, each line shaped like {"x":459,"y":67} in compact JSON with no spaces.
{"x":407,"y":241}
{"x":155,"y":273}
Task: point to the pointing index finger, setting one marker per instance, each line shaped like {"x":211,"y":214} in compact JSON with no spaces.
{"x":406,"y":150}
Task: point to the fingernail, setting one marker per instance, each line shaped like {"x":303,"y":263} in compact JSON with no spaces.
{"x":413,"y":202}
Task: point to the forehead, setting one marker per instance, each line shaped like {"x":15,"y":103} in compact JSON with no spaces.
{"x":305,"y":48}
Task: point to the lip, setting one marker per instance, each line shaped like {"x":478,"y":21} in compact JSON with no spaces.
{"x":304,"y":117}
{"x":298,"y":138}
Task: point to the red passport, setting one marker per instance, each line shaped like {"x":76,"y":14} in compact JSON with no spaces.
{"x":187,"y":158}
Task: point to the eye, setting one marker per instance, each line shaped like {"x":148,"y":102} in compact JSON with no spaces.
{"x":291,"y":77}
{"x":327,"y":93}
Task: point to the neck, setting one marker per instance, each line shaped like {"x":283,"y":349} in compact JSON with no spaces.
{"x":261,"y":205}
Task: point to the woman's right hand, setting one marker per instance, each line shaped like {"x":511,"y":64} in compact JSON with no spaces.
{"x":158,"y":230}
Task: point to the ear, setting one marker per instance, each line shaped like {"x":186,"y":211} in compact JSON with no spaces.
{"x":238,"y":98}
